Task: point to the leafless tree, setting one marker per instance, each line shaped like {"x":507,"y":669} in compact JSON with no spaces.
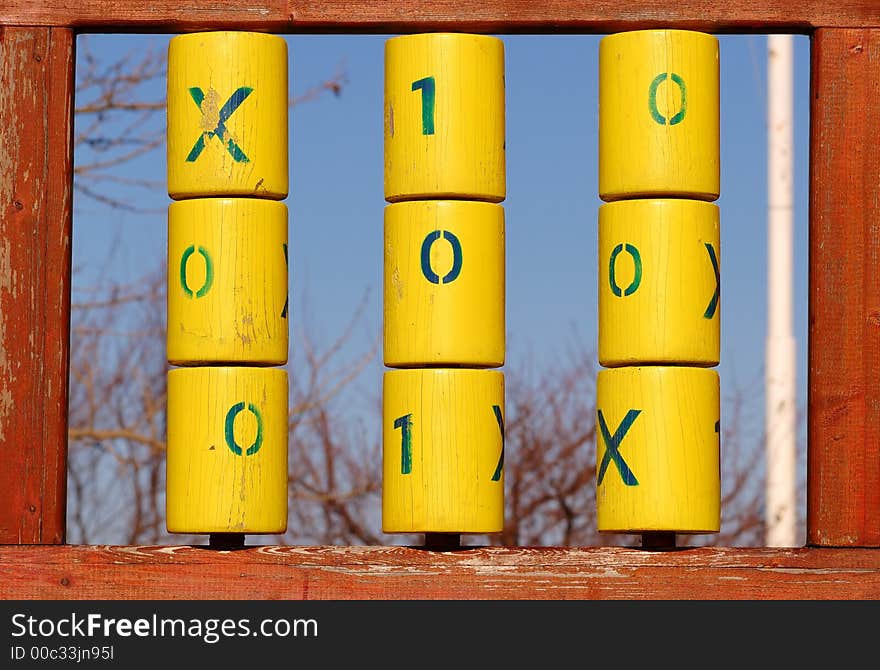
{"x":116,"y":415}
{"x":117,"y":422}
{"x":117,"y":121}
{"x":118,"y":391}
{"x":117,"y":440}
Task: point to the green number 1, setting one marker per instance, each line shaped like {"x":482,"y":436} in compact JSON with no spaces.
{"x":427,"y":87}
{"x":405,"y":424}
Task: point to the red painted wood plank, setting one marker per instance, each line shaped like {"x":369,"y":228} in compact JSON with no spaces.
{"x":36,"y":77}
{"x":401,"y":573}
{"x":491,"y":16}
{"x":844,"y":284}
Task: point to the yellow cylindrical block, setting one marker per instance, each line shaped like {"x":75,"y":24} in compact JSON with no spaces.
{"x":659,"y":282}
{"x":443,"y":454}
{"x":227,"y":115}
{"x":658,"y":115}
{"x":227,"y":282}
{"x":227,"y":450}
{"x":444,"y":284}
{"x":658,"y":450}
{"x":444,"y":117}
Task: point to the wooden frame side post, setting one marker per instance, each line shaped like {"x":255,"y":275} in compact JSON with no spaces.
{"x":843,"y":479}
{"x":36,"y":120}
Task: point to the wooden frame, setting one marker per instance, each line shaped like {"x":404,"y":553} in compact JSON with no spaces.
{"x":841,"y":559}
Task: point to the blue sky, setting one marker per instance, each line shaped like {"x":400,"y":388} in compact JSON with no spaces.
{"x":336,"y":198}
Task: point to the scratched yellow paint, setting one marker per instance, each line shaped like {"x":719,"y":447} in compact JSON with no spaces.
{"x":669,"y":446}
{"x":442,"y":453}
{"x":444,"y":284}
{"x":228,"y":91}
{"x":658,"y":115}
{"x":444,"y":117}
{"x":227,"y":282}
{"x":212,"y":412}
{"x":659,"y":300}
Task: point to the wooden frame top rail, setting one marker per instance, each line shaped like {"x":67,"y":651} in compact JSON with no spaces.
{"x":402,"y":16}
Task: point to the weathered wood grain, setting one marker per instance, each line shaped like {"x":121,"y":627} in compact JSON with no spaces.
{"x":844,"y":288}
{"x":36,"y":79}
{"x":403,"y":573}
{"x":401,"y":16}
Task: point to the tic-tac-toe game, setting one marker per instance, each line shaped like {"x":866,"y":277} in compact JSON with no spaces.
{"x":432,"y":301}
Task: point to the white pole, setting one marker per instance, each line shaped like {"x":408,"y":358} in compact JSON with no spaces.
{"x":780,"y":368}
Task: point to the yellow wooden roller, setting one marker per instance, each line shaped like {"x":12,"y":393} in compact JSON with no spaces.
{"x":444,"y":284}
{"x":227,"y":450}
{"x":227,"y":282}
{"x":227,"y":115}
{"x":659,"y":282}
{"x":658,"y":450}
{"x":444,"y":117}
{"x":658,"y":115}
{"x":443,"y":456}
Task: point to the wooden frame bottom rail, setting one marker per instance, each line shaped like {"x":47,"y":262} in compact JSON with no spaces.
{"x":84,"y":572}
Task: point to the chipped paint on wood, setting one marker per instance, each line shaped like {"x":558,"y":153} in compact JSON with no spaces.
{"x":843,"y":488}
{"x":492,"y":573}
{"x":395,"y":16}
{"x":36,"y":75}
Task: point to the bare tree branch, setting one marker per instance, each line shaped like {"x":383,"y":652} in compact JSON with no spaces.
{"x":120,"y":119}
